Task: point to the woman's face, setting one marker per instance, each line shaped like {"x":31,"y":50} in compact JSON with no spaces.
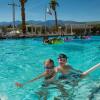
{"x":62,"y":61}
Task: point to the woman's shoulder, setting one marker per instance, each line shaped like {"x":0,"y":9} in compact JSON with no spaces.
{"x":69,"y":66}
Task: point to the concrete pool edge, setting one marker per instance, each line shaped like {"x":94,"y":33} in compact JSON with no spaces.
{"x":35,"y":36}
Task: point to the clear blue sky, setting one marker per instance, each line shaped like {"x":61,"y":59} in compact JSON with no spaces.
{"x":76,"y":10}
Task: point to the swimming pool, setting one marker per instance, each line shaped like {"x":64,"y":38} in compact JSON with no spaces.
{"x":21,"y":60}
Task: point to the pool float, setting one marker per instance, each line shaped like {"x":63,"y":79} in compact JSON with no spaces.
{"x":54,"y":41}
{"x":57,"y":41}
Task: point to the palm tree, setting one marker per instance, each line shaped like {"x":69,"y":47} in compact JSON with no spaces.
{"x":22,"y":2}
{"x":53,"y":6}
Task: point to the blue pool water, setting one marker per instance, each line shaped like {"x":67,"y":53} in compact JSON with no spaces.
{"x":21,"y":60}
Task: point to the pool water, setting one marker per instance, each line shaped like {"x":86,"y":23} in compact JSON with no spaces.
{"x":22,"y":60}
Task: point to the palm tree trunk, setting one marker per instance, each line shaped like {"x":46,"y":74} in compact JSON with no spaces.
{"x":56,"y":20}
{"x":23,"y":18}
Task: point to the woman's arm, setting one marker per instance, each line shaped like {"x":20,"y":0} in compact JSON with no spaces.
{"x":76,"y":70}
{"x":34,"y":79}
{"x":87,"y":72}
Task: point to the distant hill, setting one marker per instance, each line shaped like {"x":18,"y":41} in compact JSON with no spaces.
{"x":9,"y":23}
{"x":48,"y":22}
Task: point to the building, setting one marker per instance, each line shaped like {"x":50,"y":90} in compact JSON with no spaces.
{"x":67,"y":29}
{"x":34,"y":29}
{"x":81,"y":28}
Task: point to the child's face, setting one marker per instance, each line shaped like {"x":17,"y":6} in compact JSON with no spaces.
{"x":48,"y":64}
{"x":62,"y":61}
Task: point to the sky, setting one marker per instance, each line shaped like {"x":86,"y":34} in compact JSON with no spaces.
{"x":69,"y":10}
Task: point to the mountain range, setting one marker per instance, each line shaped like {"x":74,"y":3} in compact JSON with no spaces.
{"x":48,"y":22}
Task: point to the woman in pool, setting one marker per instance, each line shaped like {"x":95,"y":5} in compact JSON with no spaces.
{"x":66,"y":70}
{"x":49,"y":73}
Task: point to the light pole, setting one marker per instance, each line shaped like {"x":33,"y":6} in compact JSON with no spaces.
{"x":13,"y":4}
{"x":45,"y":19}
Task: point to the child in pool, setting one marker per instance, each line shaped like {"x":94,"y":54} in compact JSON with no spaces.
{"x":49,"y":73}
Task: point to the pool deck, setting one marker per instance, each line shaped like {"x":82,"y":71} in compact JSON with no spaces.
{"x":30,"y":35}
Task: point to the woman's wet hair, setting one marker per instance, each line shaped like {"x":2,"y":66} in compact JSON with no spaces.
{"x":62,"y":56}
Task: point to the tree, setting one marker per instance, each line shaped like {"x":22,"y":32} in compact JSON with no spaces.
{"x":22,"y":2}
{"x":53,"y":6}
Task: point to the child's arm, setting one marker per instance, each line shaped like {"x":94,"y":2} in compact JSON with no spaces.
{"x":34,"y":79}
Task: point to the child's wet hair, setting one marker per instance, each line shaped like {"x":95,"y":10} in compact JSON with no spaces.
{"x":51,"y":61}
